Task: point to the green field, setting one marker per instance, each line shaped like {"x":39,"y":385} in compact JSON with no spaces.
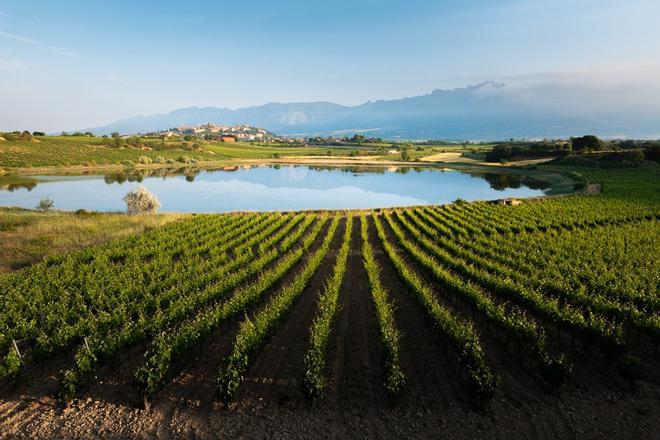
{"x":63,"y":151}
{"x":26,"y":237}
{"x":542,"y":276}
{"x":67,"y":151}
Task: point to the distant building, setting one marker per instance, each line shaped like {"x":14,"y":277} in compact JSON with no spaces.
{"x":228,"y":138}
{"x":509,"y":202}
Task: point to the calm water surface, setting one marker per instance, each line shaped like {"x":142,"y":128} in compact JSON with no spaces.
{"x":267,"y":188}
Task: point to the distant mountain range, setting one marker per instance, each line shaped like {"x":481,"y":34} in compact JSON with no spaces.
{"x":483,"y":111}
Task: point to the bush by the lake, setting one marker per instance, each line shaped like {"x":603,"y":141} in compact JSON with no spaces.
{"x":45,"y":205}
{"x":144,"y":160}
{"x":141,"y":201}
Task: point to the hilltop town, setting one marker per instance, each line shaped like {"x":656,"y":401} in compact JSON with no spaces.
{"x":223,"y":133}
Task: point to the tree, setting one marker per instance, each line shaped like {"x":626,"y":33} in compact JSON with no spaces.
{"x":141,"y":201}
{"x":38,"y":133}
{"x":114,"y":134}
{"x":588,"y":142}
{"x":499,"y":152}
{"x":45,"y":205}
{"x":405,"y":155}
{"x":26,"y":136}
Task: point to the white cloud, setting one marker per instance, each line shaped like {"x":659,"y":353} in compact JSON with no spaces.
{"x":596,"y":90}
{"x":64,"y":51}
{"x":26,"y":40}
{"x":20,"y":38}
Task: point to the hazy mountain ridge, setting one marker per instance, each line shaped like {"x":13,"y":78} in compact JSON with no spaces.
{"x":480,"y":112}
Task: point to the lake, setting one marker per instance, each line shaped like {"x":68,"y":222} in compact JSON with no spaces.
{"x":268,"y":188}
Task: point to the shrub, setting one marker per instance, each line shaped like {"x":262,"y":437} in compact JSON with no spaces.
{"x":45,"y":205}
{"x":160,"y":159}
{"x":141,"y":201}
{"x":144,"y":160}
{"x":134,"y":141}
{"x":588,"y":142}
{"x":11,"y":136}
{"x":128,"y":163}
{"x":170,"y":161}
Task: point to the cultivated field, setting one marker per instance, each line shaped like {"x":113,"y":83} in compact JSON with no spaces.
{"x":91,"y":152}
{"x":466,"y":320}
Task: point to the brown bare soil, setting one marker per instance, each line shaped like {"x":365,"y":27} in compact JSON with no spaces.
{"x":595,"y":404}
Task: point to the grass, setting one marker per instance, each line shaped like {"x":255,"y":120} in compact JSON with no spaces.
{"x":65,"y":151}
{"x":27,"y":237}
{"x":68,"y":151}
{"x":241,"y":150}
{"x":53,"y":151}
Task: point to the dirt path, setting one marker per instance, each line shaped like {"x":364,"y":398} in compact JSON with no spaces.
{"x":355,"y":374}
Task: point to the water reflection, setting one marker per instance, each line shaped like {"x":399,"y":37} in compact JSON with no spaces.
{"x":269,"y":187}
{"x":139,"y":175}
{"x":9,"y":183}
{"x":501,"y":182}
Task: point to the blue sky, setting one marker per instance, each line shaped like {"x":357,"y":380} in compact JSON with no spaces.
{"x":71,"y":64}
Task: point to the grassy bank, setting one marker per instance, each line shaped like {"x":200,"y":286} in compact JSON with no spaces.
{"x":26,"y":237}
{"x":51,"y":153}
{"x":96,"y":152}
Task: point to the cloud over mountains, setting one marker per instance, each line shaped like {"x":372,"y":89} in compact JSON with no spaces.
{"x":532,"y":107}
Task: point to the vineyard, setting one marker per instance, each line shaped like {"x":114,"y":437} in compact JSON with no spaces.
{"x":477,"y":313}
{"x":67,"y":151}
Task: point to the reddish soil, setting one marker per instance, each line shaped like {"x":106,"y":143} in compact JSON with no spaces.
{"x":596,"y":403}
